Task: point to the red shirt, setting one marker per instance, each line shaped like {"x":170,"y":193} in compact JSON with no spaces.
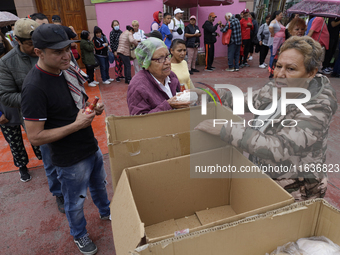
{"x":323,"y":39}
{"x":245,"y":29}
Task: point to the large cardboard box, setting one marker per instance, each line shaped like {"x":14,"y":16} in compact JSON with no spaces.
{"x":136,"y":140}
{"x":155,"y":201}
{"x":255,"y":235}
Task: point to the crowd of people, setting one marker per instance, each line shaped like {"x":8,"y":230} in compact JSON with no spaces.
{"x":38,"y":68}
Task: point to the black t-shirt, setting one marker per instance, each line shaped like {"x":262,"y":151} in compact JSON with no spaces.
{"x":46,"y":97}
{"x":333,"y":31}
{"x":69,"y":32}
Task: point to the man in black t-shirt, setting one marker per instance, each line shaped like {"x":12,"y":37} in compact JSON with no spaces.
{"x":52,"y":107}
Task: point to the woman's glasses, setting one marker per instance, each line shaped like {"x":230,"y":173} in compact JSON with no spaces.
{"x":162,"y":59}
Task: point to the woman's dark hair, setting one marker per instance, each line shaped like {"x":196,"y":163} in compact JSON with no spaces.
{"x":38,"y":15}
{"x":238,"y":16}
{"x":113,"y":21}
{"x":274,"y":15}
{"x":84,"y":34}
{"x":253,"y":15}
{"x":268,"y":16}
{"x":176,"y":42}
{"x":128,"y":27}
{"x":291,"y":17}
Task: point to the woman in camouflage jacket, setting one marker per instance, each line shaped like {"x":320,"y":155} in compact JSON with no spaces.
{"x":301,"y":146}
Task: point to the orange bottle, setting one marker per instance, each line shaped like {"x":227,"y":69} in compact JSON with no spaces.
{"x":91,"y":107}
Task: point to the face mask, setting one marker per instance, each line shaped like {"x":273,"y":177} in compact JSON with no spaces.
{"x":116,"y":27}
{"x":2,"y":48}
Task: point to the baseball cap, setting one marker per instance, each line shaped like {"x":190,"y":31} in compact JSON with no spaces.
{"x":51,"y":36}
{"x":192,"y":17}
{"x":212,"y":14}
{"x":23,"y":28}
{"x":245,"y":11}
{"x":56,"y":18}
{"x":178,"y":10}
{"x":155,"y":33}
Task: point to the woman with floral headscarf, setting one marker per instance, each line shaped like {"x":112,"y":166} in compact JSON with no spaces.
{"x":157,"y":19}
{"x":154,"y":88}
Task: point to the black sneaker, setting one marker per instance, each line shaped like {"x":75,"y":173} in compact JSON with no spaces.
{"x":209,"y":69}
{"x":60,"y":202}
{"x":246,"y":64}
{"x":118,"y":79}
{"x":191,"y":72}
{"x":24,"y":175}
{"x":127,"y":81}
{"x":213,"y":67}
{"x":85,"y":245}
{"x":195,"y":70}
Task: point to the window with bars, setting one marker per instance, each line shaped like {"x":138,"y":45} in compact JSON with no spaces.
{"x":186,"y":14}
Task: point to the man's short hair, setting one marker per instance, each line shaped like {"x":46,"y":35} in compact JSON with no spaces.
{"x":37,"y":15}
{"x":135,"y":22}
{"x":56,"y":18}
{"x":166,"y":14}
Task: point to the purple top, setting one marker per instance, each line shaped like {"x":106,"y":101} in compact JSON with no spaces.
{"x":145,"y":96}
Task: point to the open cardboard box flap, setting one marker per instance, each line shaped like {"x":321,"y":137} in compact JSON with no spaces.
{"x":141,"y":139}
{"x":164,"y":198}
{"x":256,"y":235}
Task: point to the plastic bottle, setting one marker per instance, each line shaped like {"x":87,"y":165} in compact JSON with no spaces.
{"x":91,"y":107}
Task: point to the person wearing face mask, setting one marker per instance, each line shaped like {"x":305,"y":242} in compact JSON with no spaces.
{"x":154,"y":88}
{"x":179,"y":66}
{"x":114,"y":43}
{"x":302,"y":141}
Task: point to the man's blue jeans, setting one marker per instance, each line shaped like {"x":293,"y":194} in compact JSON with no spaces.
{"x":75,"y":180}
{"x":234,"y":55}
{"x":51,"y":171}
{"x":104,"y":66}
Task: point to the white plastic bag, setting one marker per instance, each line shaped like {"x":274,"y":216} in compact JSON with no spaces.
{"x":187,"y":96}
{"x":315,"y":245}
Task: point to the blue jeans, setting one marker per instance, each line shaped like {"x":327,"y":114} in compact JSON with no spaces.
{"x":234,"y":55}
{"x":104,"y":67}
{"x":336,"y":69}
{"x":75,"y":180}
{"x":271,"y":57}
{"x":51,"y":171}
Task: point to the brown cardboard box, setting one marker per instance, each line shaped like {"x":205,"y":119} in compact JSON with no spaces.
{"x":201,"y":59}
{"x":255,"y":235}
{"x":136,"y":140}
{"x":153,"y":201}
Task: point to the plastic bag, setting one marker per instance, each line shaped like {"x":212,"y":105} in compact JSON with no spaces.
{"x":316,"y":245}
{"x":187,"y":96}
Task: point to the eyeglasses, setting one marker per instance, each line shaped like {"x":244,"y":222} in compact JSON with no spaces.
{"x":162,"y":59}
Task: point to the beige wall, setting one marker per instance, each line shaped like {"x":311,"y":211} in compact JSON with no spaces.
{"x":27,"y":7}
{"x":91,"y":15}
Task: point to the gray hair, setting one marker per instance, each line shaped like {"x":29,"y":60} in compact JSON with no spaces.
{"x":228,"y":15}
{"x":308,"y":47}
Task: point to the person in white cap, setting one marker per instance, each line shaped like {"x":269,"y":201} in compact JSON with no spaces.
{"x":176,"y":25}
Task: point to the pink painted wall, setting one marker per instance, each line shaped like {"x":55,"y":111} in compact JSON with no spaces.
{"x":126,"y":12}
{"x":220,"y":11}
{"x":142,"y":10}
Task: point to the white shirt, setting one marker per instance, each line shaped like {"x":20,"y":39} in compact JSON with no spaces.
{"x":179,"y":23}
{"x":166,"y":87}
{"x":139,"y":36}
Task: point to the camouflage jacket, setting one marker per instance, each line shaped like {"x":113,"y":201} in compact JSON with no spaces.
{"x":306,"y":143}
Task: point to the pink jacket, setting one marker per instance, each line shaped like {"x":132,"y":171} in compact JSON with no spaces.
{"x":125,"y":40}
{"x":145,"y":96}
